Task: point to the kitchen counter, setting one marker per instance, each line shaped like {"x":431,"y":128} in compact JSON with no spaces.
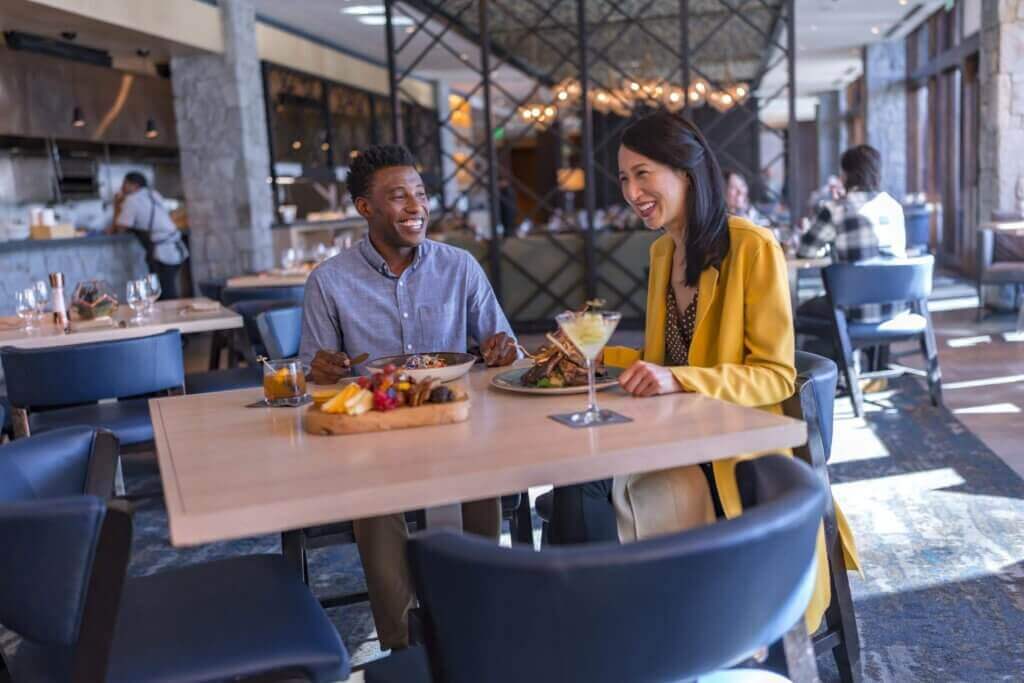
{"x":114,"y":258}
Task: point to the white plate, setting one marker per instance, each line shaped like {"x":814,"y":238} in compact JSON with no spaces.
{"x":510,"y":381}
{"x":458,"y":365}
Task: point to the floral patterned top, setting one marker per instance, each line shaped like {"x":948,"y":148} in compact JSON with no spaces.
{"x":679,"y":330}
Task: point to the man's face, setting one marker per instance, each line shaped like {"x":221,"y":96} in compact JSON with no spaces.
{"x":736,"y":193}
{"x":127,"y":187}
{"x":396,"y":207}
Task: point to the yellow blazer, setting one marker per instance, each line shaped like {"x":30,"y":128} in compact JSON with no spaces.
{"x":742,"y":351}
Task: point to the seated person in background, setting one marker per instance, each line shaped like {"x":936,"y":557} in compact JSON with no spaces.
{"x":863,"y":224}
{"x":396,"y":292}
{"x":737,"y":199}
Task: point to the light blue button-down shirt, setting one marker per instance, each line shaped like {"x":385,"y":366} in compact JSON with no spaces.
{"x":355,"y":304}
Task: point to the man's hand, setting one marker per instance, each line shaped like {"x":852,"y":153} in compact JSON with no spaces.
{"x":499,"y":350}
{"x":648,"y":379}
{"x":329,"y":366}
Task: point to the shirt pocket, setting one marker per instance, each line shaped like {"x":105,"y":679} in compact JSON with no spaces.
{"x":439,"y":328}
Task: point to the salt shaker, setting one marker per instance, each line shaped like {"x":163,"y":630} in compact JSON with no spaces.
{"x":60,"y":311}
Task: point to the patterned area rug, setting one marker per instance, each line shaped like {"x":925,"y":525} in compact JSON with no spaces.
{"x":939,"y":521}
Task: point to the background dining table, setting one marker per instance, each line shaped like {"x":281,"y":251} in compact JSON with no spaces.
{"x":189,"y":316}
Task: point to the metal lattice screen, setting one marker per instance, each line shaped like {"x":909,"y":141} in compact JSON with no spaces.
{"x":568,"y":76}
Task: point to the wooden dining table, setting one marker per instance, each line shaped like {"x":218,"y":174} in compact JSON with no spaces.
{"x":230,"y":472}
{"x":175,"y":314}
{"x":269,"y":279}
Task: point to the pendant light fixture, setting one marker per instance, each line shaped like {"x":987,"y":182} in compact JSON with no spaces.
{"x":77,"y":120}
{"x":151,"y":131}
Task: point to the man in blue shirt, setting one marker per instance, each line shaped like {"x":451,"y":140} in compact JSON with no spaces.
{"x":396,"y":292}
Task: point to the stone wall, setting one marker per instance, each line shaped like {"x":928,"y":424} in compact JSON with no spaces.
{"x":116,"y":259}
{"x":885,"y":69}
{"x":225,"y":155}
{"x":1001,"y":138}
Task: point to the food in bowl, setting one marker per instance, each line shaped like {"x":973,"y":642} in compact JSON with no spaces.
{"x":424,"y":361}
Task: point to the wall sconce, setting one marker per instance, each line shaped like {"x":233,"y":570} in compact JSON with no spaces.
{"x":571,"y":179}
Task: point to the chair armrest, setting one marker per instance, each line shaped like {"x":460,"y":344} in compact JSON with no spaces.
{"x":102,"y":472}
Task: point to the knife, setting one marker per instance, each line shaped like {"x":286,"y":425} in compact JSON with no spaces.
{"x":361,"y":358}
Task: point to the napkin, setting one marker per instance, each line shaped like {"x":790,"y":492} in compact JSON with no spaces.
{"x":94,"y":323}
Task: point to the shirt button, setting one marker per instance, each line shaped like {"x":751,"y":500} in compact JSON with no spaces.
{"x":401,"y":284}
{"x":405,"y":315}
{"x":409,"y":346}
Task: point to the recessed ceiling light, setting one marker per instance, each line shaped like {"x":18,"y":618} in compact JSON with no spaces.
{"x":374,"y":20}
{"x":876,"y":30}
{"x":814,"y":27}
{"x":464,"y":57}
{"x":904,"y":2}
{"x":363,"y":9}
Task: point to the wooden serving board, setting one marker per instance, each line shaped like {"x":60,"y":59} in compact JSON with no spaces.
{"x":315,"y":421}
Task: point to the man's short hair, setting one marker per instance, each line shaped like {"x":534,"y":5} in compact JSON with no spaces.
{"x":369,"y":161}
{"x":136,"y":178}
{"x":863,"y":168}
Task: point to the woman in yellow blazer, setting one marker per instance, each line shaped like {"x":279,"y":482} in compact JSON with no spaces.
{"x":730,"y":276}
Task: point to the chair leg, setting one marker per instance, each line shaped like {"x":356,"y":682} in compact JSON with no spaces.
{"x":839,"y":616}
{"x":931,"y":357}
{"x":216,"y":348}
{"x":849,"y":369}
{"x":521,"y":523}
{"x":981,"y":302}
{"x":293,"y":547}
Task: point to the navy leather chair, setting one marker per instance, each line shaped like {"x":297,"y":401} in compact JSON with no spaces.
{"x":665,"y":609}
{"x":856,"y":284}
{"x":813,"y":402}
{"x":63,"y":589}
{"x":280,"y":331}
{"x":60,"y":386}
{"x":238,"y":346}
{"x":68,"y":461}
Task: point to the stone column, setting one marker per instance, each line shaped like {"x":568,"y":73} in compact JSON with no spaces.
{"x":225,"y":154}
{"x":829,"y":126}
{"x":885,"y":74}
{"x":1001,"y":89}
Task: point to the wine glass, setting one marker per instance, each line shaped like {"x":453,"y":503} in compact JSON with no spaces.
{"x":42,"y":292}
{"x":589,"y":331}
{"x":290,"y":259}
{"x":25,"y":305}
{"x":153,"y":290}
{"x":136,"y":297}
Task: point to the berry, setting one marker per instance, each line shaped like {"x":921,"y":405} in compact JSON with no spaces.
{"x":363,"y":382}
{"x":389,"y":369}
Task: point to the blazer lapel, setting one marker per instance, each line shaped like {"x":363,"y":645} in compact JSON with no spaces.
{"x":705,"y":295}
{"x":657,"y":290}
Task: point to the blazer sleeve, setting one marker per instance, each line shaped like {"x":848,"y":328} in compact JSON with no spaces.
{"x":767,"y":375}
{"x":621,"y":356}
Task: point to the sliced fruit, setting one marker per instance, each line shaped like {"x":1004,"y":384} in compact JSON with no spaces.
{"x":360,"y":403}
{"x":339,"y":403}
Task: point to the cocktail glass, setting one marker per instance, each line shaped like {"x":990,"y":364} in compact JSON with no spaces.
{"x":589,"y":331}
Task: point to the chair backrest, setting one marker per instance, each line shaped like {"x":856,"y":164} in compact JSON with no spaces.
{"x":48,"y":465}
{"x":250,"y":309}
{"x":83,"y":373}
{"x":281,"y":330}
{"x":814,"y":399}
{"x":878,"y":282}
{"x":669,"y":608}
{"x":232,"y":295}
{"x":49,"y":546}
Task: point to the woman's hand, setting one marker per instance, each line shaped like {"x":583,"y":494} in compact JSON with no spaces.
{"x":648,"y":379}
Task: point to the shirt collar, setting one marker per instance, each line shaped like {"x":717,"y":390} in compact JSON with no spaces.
{"x":377,"y":261}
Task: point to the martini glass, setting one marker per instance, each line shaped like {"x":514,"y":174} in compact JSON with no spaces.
{"x":589,"y":331}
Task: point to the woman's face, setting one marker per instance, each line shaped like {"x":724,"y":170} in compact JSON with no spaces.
{"x":736,"y":193}
{"x":655,"y":191}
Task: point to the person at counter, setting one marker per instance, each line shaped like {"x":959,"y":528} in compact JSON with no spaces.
{"x":139,"y":209}
{"x":396,"y":292}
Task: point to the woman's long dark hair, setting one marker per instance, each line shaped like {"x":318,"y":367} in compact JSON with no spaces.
{"x":674,"y":141}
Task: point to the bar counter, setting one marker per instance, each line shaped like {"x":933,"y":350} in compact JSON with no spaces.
{"x":114,"y":258}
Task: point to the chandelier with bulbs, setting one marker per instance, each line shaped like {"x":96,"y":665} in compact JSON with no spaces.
{"x":621,"y":101}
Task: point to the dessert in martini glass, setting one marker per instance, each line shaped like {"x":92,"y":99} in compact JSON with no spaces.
{"x":589,"y":330}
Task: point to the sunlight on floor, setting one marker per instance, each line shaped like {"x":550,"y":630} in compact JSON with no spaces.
{"x":964,"y":342}
{"x":991,"y":409}
{"x":955,"y":304}
{"x":987,"y":382}
{"x":854,"y":440}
